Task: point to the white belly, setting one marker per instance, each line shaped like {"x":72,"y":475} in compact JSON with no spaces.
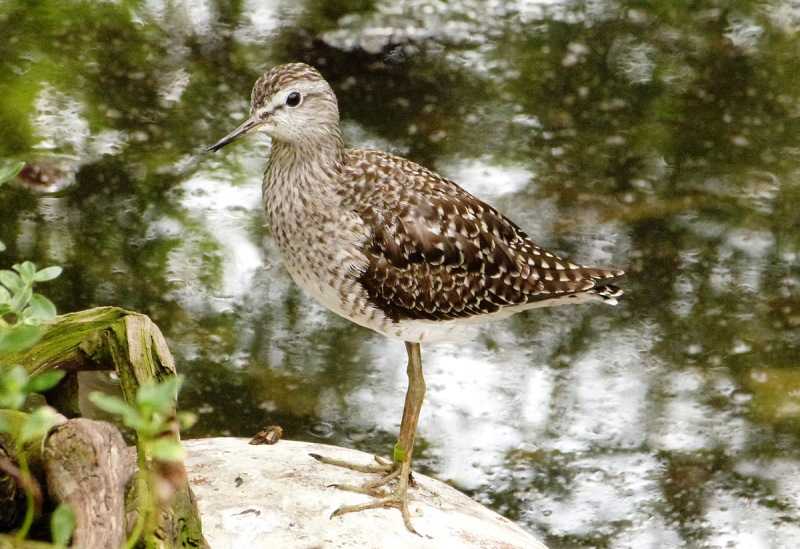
{"x":356,"y":308}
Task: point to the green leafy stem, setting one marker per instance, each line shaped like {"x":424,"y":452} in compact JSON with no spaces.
{"x":152,"y":416}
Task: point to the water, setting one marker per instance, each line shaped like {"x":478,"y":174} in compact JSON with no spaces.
{"x":663,"y":137}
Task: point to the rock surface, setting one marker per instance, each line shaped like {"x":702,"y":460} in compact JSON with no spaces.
{"x":278,"y":497}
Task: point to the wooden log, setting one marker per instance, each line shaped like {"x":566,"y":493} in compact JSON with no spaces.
{"x":8,"y":441}
{"x":87,"y":467}
{"x":12,"y":496}
{"x":73,"y":342}
{"x":110,"y":338}
{"x":141,"y":354}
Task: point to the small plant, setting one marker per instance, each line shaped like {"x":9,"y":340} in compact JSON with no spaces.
{"x":21,"y":309}
{"x":152,"y":417}
{"x":15,"y":386}
{"x":21,"y":313}
{"x":62,"y":524}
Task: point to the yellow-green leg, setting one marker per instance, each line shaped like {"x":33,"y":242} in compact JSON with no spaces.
{"x":400,"y":469}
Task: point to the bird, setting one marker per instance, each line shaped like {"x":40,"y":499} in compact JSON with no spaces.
{"x":393,"y":246}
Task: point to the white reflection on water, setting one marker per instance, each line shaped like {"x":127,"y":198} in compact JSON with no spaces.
{"x":600,"y":490}
{"x":744,"y":33}
{"x":484,"y":178}
{"x":262,"y":18}
{"x":181,"y":16}
{"x":226,"y":210}
{"x":60,"y":121}
{"x":738,"y":523}
{"x":602,"y":399}
{"x":687,"y":423}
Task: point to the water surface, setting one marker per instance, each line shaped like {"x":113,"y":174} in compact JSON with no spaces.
{"x":663,"y":137}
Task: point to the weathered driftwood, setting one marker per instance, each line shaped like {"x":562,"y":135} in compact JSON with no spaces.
{"x":87,"y":466}
{"x":73,"y":342}
{"x":33,"y":449}
{"x":12,"y":497}
{"x":109,"y":338}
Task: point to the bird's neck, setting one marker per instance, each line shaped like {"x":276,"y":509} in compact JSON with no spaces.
{"x":327,"y":148}
{"x":303,"y":176}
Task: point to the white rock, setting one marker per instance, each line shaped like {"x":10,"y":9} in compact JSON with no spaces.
{"x":277,"y":497}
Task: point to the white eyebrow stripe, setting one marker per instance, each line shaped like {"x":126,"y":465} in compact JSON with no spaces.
{"x":279,"y":101}
{"x":305,"y":88}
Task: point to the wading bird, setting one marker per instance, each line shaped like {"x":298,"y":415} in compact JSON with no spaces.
{"x":393,"y":246}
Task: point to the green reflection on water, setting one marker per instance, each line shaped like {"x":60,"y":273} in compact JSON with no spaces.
{"x":661,"y":136}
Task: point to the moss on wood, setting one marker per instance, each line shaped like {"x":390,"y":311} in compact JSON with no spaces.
{"x":110,"y":338}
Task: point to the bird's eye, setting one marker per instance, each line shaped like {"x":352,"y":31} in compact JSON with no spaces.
{"x":293,"y":99}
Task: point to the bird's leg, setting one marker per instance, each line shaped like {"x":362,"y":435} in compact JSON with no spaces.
{"x":403,"y":450}
{"x":415,"y":395}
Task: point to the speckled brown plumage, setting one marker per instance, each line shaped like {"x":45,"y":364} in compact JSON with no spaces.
{"x":436,"y":252}
{"x":385,"y":242}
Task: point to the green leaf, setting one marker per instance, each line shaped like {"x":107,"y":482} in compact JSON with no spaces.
{"x":2,"y":246}
{"x":21,"y":298}
{"x":26,"y":270}
{"x":118,"y":407}
{"x":4,"y":425}
{"x":44,"y":381}
{"x":15,"y":376}
{"x":18,"y":338}
{"x":9,"y":169}
{"x":12,"y":401}
{"x":167,"y":449}
{"x":5,"y":295}
{"x":41,"y":309}
{"x":37,"y":424}
{"x":10,"y":280}
{"x":111,"y":404}
{"x":62,"y":524}
{"x":12,"y":387}
{"x":159,"y":396}
{"x":186,"y":419}
{"x":48,"y":273}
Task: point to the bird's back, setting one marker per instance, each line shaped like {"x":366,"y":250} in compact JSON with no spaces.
{"x":437,"y":253}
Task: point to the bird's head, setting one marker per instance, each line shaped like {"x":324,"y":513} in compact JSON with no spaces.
{"x":291,"y":103}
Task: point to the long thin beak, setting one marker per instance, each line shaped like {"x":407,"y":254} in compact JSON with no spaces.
{"x":246,"y":126}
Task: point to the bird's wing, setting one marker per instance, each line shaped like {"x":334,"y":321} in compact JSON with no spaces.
{"x":436,"y":252}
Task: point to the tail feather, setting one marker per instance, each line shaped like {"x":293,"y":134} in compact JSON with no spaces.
{"x":609,"y":293}
{"x":600,"y":275}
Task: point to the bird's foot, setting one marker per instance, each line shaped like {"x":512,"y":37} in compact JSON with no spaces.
{"x":400,"y":473}
{"x":371,"y":488}
{"x":397,"y":499}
